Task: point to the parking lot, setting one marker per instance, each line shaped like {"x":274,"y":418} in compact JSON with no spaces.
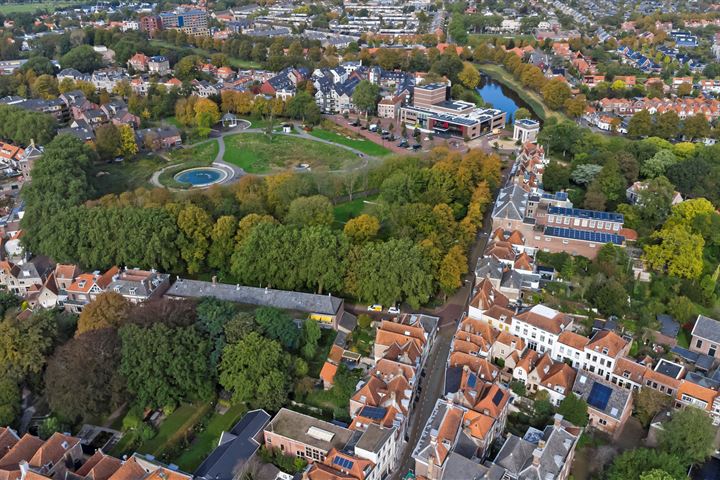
{"x":456,"y":144}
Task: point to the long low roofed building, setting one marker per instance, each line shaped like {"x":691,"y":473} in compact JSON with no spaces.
{"x":325,"y":309}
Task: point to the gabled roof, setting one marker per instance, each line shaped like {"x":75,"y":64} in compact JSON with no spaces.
{"x":707,"y":328}
{"x":574,"y":340}
{"x":607,"y":341}
{"x":23,"y":450}
{"x":99,"y":467}
{"x":235,"y":449}
{"x":53,"y":450}
{"x":545,"y":318}
{"x":8,"y":438}
{"x":511,"y":203}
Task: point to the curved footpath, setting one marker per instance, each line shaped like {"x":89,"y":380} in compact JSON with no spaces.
{"x":234,"y":172}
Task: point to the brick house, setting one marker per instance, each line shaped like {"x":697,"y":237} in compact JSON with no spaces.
{"x":706,"y":337}
{"x":300,"y":435}
{"x":609,"y":406}
{"x":86,"y":288}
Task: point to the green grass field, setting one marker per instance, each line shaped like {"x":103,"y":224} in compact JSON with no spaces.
{"x":9,"y":8}
{"x":347,"y":210}
{"x":368,"y":147}
{"x":234,"y":62}
{"x":174,"y":428}
{"x":256,"y":153}
{"x":198,"y":156}
{"x":206,"y":440}
{"x":124,"y":176}
{"x":529,"y":96}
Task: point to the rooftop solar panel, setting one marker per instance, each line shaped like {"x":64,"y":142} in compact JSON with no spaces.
{"x":585,"y":235}
{"x":498,"y":397}
{"x":373,"y":413}
{"x":589,"y":214}
{"x":343,"y":462}
{"x":599,"y":396}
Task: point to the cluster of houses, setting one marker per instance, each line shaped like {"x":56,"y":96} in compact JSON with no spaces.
{"x":28,"y":457}
{"x":612,"y":113}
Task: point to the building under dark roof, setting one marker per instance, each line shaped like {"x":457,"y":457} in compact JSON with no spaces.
{"x":235,"y":448}
{"x":326,"y":309}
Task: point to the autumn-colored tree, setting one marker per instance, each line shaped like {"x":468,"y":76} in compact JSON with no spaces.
{"x":362,"y":228}
{"x":469,"y":76}
{"x":679,"y":252}
{"x":207,"y":114}
{"x":108,"y":310}
{"x":452,"y":268}
{"x":128,"y":145}
{"x":576,"y":105}
{"x":555,"y":93}
{"x":195,"y":224}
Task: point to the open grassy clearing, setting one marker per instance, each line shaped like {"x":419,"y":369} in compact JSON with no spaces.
{"x":124,"y":176}
{"x":368,"y":147}
{"x":257,"y":153}
{"x":9,"y":8}
{"x":347,"y":210}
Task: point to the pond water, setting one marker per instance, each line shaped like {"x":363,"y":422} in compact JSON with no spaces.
{"x":200,"y":177}
{"x":500,"y":97}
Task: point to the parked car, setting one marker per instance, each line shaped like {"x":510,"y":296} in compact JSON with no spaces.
{"x":374,"y":308}
{"x":394,"y":311}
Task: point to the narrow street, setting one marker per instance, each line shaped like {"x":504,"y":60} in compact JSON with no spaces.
{"x":450,"y":313}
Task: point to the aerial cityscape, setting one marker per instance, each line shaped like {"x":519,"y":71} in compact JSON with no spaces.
{"x":359,"y":240}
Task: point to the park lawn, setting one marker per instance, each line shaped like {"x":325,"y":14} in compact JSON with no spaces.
{"x":257,"y":153}
{"x":368,"y":147}
{"x":124,"y":176}
{"x":530,"y":97}
{"x":200,"y":155}
{"x":208,"y":438}
{"x":234,"y":62}
{"x":174,"y":428}
{"x":347,"y":210}
{"x":9,"y":8}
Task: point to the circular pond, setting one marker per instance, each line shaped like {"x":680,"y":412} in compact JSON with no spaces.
{"x":201,"y":177}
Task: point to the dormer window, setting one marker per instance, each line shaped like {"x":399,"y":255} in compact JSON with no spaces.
{"x":605,"y":351}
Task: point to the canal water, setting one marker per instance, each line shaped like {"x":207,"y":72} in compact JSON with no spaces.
{"x":500,"y":97}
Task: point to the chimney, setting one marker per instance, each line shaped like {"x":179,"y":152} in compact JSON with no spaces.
{"x":266,"y":290}
{"x":537,"y":454}
{"x":24,"y":469}
{"x":237,"y":286}
{"x":214,"y":280}
{"x":557,"y":420}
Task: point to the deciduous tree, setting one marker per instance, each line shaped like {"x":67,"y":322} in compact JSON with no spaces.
{"x":97,"y":355}
{"x":255,"y":371}
{"x":108,"y":310}
{"x":689,"y":436}
{"x":362,"y":228}
{"x":164,"y":366}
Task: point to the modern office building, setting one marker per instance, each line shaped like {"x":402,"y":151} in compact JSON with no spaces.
{"x":433,"y":111}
